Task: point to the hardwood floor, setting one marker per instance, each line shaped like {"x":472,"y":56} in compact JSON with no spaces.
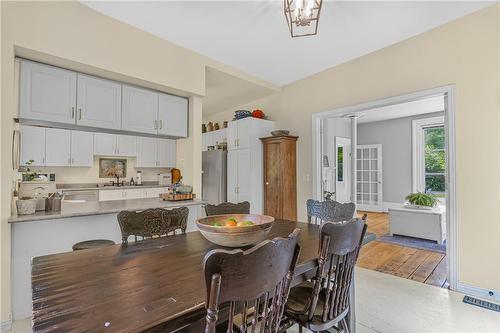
{"x":419,"y":265}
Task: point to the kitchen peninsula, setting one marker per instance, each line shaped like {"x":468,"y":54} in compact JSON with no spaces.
{"x":45,"y":233}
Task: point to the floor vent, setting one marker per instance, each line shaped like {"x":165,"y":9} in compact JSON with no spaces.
{"x":481,"y":303}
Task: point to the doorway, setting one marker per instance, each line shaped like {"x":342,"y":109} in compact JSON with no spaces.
{"x":370,"y":196}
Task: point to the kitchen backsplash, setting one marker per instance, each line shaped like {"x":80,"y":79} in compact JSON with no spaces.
{"x":91,"y":175}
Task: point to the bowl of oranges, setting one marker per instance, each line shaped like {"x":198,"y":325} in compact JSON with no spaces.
{"x":235,"y":230}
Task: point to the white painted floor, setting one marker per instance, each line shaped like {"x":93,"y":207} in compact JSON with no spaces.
{"x":387,"y":304}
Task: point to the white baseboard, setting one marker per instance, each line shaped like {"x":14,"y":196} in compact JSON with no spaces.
{"x":479,"y":292}
{"x":6,"y":326}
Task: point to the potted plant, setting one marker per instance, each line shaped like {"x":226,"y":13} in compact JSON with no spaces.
{"x":26,"y":205}
{"x":421,"y":200}
{"x":29,"y":175}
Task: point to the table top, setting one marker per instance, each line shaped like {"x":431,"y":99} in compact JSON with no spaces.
{"x":136,"y":287}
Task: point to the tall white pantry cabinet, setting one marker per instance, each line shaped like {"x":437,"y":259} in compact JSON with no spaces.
{"x":245,"y":162}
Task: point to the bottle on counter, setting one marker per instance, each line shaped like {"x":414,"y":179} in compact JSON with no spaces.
{"x":132,"y":182}
{"x":139,"y":178}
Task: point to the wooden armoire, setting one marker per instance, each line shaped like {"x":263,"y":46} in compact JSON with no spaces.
{"x":280,"y":177}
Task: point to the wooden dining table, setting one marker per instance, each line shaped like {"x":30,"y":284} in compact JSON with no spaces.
{"x":155,"y":285}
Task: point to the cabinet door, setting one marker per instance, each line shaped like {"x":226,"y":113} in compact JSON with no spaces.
{"x":244,"y":172}
{"x":104,"y":144}
{"x":58,"y":147}
{"x":47,"y":93}
{"x":166,"y":153}
{"x":219,"y":136}
{"x":232,"y":176}
{"x":172,"y":115}
{"x":140,"y":110}
{"x":126,"y":145}
{"x":245,"y":128}
{"x":146,"y":152}
{"x":136,"y":193}
{"x":99,"y":102}
{"x":272,"y":184}
{"x":82,"y":149}
{"x":232,"y":135}
{"x":32,"y":145}
{"x":109,"y":195}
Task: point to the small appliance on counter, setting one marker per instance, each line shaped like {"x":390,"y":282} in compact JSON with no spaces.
{"x":38,"y":190}
{"x":165,"y":179}
{"x":138,"y":178}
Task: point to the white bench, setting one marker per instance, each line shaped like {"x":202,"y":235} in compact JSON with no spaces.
{"x":420,"y":223}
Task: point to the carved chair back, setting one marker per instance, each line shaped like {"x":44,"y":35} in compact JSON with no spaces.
{"x":151,"y":223}
{"x":228,"y":208}
{"x":254,"y":282}
{"x":329,"y":211}
{"x":338,"y":253}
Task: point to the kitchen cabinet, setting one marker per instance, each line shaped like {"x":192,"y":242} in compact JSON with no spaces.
{"x":47,"y":93}
{"x":240,"y":133}
{"x":146,"y":152}
{"x":58,"y":147}
{"x":213,"y":138}
{"x":172,"y":115}
{"x":166,"y":153}
{"x":155,"y":153}
{"x":114,"y":145}
{"x":245,"y":165}
{"x":280,"y":177}
{"x":131,"y":193}
{"x":82,"y":149}
{"x":32,"y":145}
{"x":139,"y":110}
{"x":99,"y":102}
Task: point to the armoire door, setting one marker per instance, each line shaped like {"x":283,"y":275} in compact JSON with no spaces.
{"x":272,"y":183}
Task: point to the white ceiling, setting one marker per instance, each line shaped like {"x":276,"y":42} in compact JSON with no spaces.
{"x":401,"y":110}
{"x":252,"y":35}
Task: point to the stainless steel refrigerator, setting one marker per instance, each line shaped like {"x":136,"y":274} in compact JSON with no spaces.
{"x":214,"y":176}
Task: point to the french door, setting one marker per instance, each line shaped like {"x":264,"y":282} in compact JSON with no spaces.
{"x":369,"y":178}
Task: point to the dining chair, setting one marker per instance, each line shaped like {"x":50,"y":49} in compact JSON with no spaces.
{"x":323,"y":302}
{"x":254,"y":282}
{"x":150,"y":223}
{"x":228,"y":208}
{"x":329,"y":210}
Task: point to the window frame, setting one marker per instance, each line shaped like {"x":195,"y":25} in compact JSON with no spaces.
{"x":418,"y":149}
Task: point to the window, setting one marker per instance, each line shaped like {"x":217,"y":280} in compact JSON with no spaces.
{"x":340,"y":163}
{"x":429,"y":155}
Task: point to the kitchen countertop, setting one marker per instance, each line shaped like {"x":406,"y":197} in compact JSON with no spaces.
{"x":100,"y":186}
{"x":88,"y":208}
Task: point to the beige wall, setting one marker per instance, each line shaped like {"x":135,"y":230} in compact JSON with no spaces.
{"x":465,"y":53}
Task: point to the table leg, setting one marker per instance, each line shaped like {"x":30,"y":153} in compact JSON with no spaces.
{"x":351,"y":315}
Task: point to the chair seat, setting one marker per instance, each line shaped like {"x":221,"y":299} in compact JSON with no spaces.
{"x":92,"y":244}
{"x":299,"y":302}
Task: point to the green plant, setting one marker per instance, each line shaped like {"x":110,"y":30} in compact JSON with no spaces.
{"x":29,"y":175}
{"x":422,"y":199}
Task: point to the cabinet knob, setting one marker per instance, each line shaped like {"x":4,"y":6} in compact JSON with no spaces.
{"x":72,"y":112}
{"x":80,"y":116}
{"x":161,"y":124}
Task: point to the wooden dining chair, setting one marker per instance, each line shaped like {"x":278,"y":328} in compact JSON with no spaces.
{"x":323,"y":302}
{"x":252,"y":284}
{"x":329,"y":211}
{"x":151,"y":223}
{"x":228,"y":208}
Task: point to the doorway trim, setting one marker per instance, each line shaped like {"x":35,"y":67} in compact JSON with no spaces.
{"x":451,"y":196}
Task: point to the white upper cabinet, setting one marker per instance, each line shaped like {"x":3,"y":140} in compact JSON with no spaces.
{"x":166,"y":153}
{"x":172,"y":115}
{"x":99,"y":102}
{"x":32,"y":145}
{"x":147,"y":152}
{"x":82,"y":149}
{"x":115,"y":144}
{"x":57,"y":147}
{"x":126,"y":145}
{"x":232,"y":135}
{"x":104,"y":144}
{"x":139,"y":110}
{"x":47,"y":93}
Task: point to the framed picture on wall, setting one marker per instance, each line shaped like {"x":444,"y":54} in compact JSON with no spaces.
{"x":112,"y":168}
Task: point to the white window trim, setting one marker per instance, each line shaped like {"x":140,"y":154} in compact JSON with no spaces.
{"x":418,"y":146}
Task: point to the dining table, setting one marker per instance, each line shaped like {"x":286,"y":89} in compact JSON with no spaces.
{"x":156,"y":285}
